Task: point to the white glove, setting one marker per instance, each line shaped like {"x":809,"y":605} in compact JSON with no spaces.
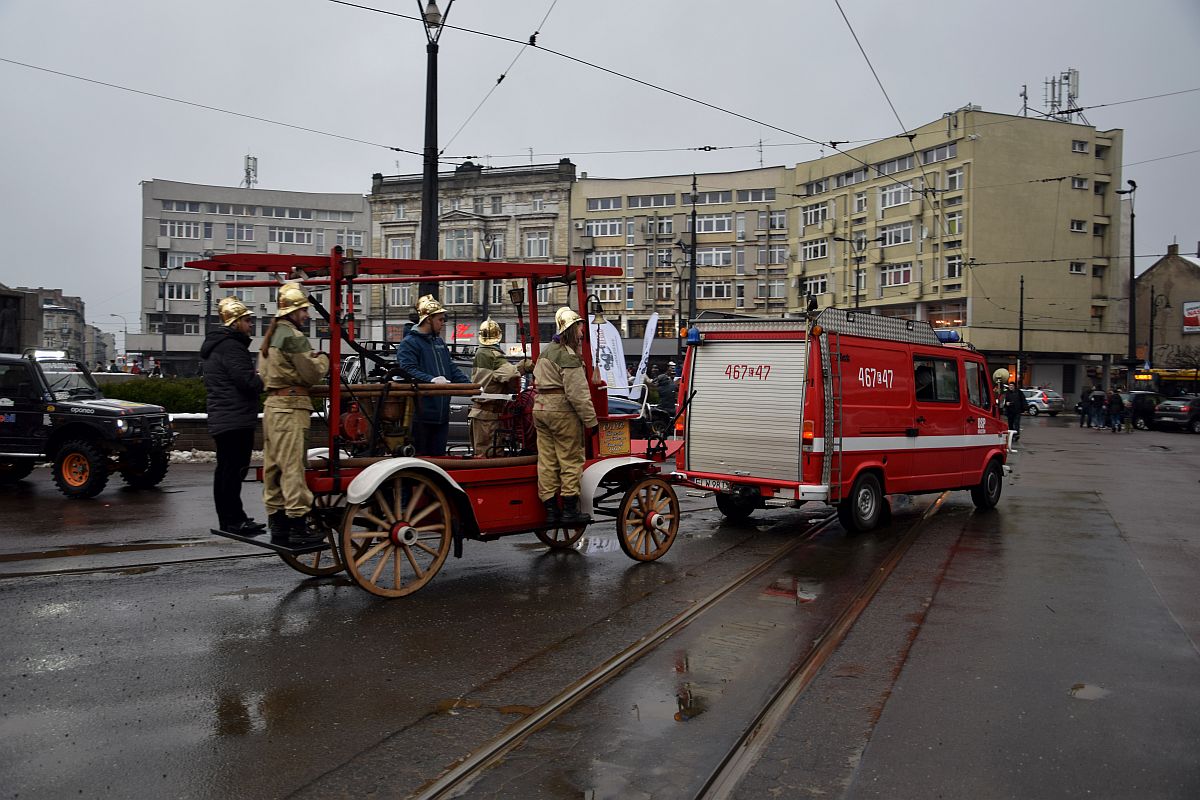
{"x":440,"y":379}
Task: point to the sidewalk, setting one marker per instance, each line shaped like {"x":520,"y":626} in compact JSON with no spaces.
{"x":1047,"y":650}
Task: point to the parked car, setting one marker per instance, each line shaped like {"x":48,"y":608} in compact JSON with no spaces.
{"x":1043,"y":401}
{"x":1183,"y":412}
{"x":1141,"y":405}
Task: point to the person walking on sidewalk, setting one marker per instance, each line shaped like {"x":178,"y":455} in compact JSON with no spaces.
{"x":1116,"y":407}
{"x":562,"y":411}
{"x":1014,"y":406}
{"x":289,"y":369}
{"x":232,"y":387}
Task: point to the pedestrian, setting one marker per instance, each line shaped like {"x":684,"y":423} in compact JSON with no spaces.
{"x":233,"y":386}
{"x":495,"y":375}
{"x":289,"y":369}
{"x":1115,"y":407}
{"x":1014,"y":406}
{"x":156,"y":370}
{"x":665,"y":384}
{"x":112,"y":366}
{"x":136,"y":369}
{"x":562,"y":411}
{"x":1085,"y":408}
{"x":424,"y":357}
{"x":1098,"y":413}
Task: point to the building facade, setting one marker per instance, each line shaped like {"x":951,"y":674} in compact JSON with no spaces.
{"x":1168,"y":308}
{"x":183,"y":221}
{"x":63,"y":322}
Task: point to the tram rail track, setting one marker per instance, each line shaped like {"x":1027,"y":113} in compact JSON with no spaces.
{"x":123,"y":567}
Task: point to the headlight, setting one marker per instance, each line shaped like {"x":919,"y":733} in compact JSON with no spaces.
{"x":122,"y":427}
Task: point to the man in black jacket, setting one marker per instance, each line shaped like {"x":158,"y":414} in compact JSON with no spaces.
{"x":233,"y":388}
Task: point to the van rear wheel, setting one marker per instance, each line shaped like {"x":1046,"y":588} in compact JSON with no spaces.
{"x":863,"y":508}
{"x":735,"y":507}
{"x":987,"y":494}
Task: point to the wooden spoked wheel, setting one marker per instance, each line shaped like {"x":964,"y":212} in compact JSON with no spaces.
{"x":560,"y":538}
{"x":322,"y":562}
{"x":396,"y":540}
{"x":648,"y":519}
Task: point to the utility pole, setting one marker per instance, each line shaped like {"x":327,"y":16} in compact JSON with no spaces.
{"x":1131,"y":359}
{"x":692,"y":259}
{"x":433,"y":19}
{"x":1021,"y":336}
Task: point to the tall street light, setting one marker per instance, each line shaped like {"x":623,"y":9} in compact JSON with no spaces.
{"x":1157,"y":301}
{"x":1131,"y":359}
{"x":860,"y":248}
{"x":125,"y":325}
{"x":164,"y":272}
{"x":434,"y":20}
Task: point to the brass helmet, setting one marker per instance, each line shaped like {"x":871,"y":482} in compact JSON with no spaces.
{"x":291,"y":298}
{"x":489,"y":332}
{"x":231,"y":310}
{"x":427,"y":306}
{"x":564,"y":318}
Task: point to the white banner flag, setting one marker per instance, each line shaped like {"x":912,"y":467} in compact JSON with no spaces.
{"x":608,"y":355}
{"x":640,"y":375}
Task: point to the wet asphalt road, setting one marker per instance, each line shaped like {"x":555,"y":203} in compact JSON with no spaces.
{"x":234,"y":675}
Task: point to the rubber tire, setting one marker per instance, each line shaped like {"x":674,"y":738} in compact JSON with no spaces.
{"x":863,"y":509}
{"x":1033,"y":411}
{"x":1052,"y":413}
{"x":13,"y":470}
{"x":987,"y":494}
{"x":150,"y":471}
{"x":1194,"y":425}
{"x":94,"y":469}
{"x":737,"y":509}
{"x":1141,"y":424}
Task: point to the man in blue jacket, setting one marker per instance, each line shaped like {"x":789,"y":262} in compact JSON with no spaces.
{"x":424,"y":357}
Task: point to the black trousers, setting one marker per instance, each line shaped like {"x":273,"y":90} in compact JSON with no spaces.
{"x":233,"y":460}
{"x":430,"y":439}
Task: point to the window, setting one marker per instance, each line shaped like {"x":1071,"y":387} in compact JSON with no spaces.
{"x":398,"y":211}
{"x":851,"y":178}
{"x":178,"y":229}
{"x":778,"y":221}
{"x":953,"y":201}
{"x":811,"y":251}
{"x":895,"y":274}
{"x":539,"y":202}
{"x":180,"y":291}
{"x":712,"y":223}
{"x":287,"y":213}
{"x":458,"y":293}
{"x":773,"y":289}
{"x":208,"y":229}
{"x":629,"y":289}
{"x":714,"y":256}
{"x":243,"y":293}
{"x":184,"y":206}
{"x":776,"y":254}
{"x":954,"y":266}
{"x":477,"y":205}
{"x":1079,"y":226}
{"x":336,"y":216}
{"x":177,"y":260}
{"x":658,"y":259}
{"x":954,"y":224}
{"x":895,"y":194}
{"x":815,"y":214}
{"x":495,"y":248}
{"x":740,"y":297}
{"x":894,"y":166}
{"x":605,"y":258}
{"x":604,"y":227}
{"x":237,"y":232}
{"x":603,"y":203}
{"x":1079,"y":183}
{"x":712,"y":290}
{"x":1079,"y":146}
{"x":1098,"y":271}
{"x":607,"y":292}
{"x":945,"y":315}
{"x":290,"y":235}
{"x":497,"y":204}
{"x":543,"y":294}
{"x":499,"y":293}
{"x":739,"y":260}
{"x":1078,"y":268}
{"x":816,"y":284}
{"x":400,"y":296}
{"x":651,"y":200}
{"x":860,"y":202}
{"x":816,"y":187}
{"x":663,"y":291}
{"x":755,"y":195}
{"x":630,"y":228}
{"x":660,"y":226}
{"x":939,"y":153}
{"x":710,"y":198}
{"x":954,"y":179}
{"x":349,"y":238}
{"x":460,"y":245}
{"x":900,"y":233}
{"x":1099,"y":229}
{"x":400,"y":247}
{"x":230,"y":209}
{"x":936,"y":379}
{"x":978,"y":393}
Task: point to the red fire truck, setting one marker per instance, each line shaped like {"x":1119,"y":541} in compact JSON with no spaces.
{"x":842,"y":407}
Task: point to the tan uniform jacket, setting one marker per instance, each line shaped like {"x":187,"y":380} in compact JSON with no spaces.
{"x":493,"y":373}
{"x":290,"y":362}
{"x":561,"y":368}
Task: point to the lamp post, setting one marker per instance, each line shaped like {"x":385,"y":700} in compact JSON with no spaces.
{"x":125,"y":326}
{"x":860,"y":249}
{"x":692,"y":259}
{"x":679,"y":265}
{"x":1157,"y":301}
{"x":434,"y":20}
{"x":164,"y":272}
{"x":1131,"y":359}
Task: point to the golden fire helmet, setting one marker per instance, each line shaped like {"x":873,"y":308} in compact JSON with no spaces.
{"x":489,"y":332}
{"x":427,"y":306}
{"x":291,"y":298}
{"x":231,"y":310}
{"x":565,"y":318}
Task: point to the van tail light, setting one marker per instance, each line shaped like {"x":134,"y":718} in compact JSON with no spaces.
{"x":809,"y":431}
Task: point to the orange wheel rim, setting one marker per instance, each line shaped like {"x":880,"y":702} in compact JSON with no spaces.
{"x":75,"y":470}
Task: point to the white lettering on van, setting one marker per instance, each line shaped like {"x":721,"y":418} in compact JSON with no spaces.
{"x":872,"y":378}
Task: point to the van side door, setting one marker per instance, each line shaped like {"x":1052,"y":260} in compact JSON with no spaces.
{"x":938,"y":422}
{"x":978,"y":434}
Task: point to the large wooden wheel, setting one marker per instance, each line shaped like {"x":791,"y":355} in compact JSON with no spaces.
{"x":560,"y":538}
{"x":396,"y":540}
{"x":648,"y":519}
{"x":322,"y":562}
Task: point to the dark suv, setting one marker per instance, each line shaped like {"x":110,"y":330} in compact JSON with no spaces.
{"x":1141,"y":405}
{"x":52,"y":410}
{"x":1181,"y":411}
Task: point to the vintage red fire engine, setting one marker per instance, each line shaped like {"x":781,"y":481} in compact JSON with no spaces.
{"x":843,"y":408}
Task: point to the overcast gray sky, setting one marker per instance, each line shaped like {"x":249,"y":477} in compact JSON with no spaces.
{"x":72,"y":152}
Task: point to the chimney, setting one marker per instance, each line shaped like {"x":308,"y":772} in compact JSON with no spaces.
{"x":1173,"y":249}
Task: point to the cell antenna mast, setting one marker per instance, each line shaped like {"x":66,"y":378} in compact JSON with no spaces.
{"x":251,"y":166}
{"x":1062,"y":97}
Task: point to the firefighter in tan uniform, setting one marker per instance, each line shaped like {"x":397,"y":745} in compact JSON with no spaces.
{"x":289,"y":368}
{"x":495,"y":375}
{"x":562,"y":411}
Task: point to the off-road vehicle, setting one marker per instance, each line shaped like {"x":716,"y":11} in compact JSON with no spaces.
{"x":52,"y":410}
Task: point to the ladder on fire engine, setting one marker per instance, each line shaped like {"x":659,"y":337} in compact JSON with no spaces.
{"x":831,"y":371}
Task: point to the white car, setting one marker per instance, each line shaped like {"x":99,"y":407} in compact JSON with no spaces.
{"x":1043,"y":401}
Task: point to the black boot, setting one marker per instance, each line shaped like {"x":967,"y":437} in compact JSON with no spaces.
{"x":277,"y":524}
{"x":571,"y":515}
{"x":553,"y":516}
{"x":307,"y":530}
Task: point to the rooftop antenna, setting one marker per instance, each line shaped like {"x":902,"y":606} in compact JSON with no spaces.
{"x":251,"y":166}
{"x":1061,"y":95}
{"x":760,"y":153}
{"x":1024,"y":100}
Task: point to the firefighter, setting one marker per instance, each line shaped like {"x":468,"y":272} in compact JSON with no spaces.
{"x":424,"y":357}
{"x":562,"y":411}
{"x":289,"y":369}
{"x":495,"y":375}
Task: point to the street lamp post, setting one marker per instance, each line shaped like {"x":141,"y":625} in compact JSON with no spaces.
{"x":434,"y":20}
{"x":125,"y":326}
{"x":1157,"y":301}
{"x":1131,"y":359}
{"x":860,"y":248}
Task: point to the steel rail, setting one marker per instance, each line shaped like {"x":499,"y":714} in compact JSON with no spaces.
{"x":742,"y":757}
{"x":458,"y":777}
{"x":124,"y":567}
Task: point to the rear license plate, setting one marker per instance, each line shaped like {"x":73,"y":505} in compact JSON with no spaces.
{"x":712,"y":483}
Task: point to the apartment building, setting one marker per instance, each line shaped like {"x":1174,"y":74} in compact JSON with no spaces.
{"x":517,"y":214}
{"x":183,"y":221}
{"x":63,"y":322}
{"x":1168,"y":308}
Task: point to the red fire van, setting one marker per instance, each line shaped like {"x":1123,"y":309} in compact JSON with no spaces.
{"x":843,"y":407}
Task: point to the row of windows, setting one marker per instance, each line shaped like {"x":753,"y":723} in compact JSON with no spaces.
{"x":668,"y":200}
{"x":243,"y":232}
{"x":240,"y":210}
